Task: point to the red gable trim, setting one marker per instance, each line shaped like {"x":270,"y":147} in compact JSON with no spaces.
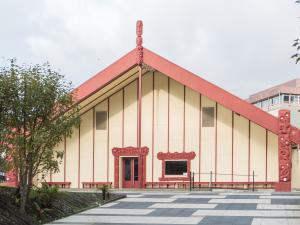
{"x":210,"y":90}
{"x":184,"y":77}
{"x":105,"y":76}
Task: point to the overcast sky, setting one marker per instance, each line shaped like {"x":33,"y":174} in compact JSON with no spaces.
{"x":243,"y":46}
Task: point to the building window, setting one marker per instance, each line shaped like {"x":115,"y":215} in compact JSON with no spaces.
{"x":101,"y":120}
{"x":208,"y":116}
{"x":286,"y":98}
{"x":175,"y":167}
{"x":275,"y":100}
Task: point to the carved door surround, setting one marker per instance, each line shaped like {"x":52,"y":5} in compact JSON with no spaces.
{"x":140,"y":153}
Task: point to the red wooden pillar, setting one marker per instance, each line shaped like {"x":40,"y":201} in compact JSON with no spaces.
{"x":139,"y":61}
{"x":284,"y":151}
{"x":117,"y":169}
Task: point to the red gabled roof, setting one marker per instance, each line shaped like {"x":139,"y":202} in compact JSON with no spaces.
{"x":184,"y":77}
{"x":105,"y":76}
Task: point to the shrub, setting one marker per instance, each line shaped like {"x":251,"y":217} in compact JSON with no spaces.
{"x":104,"y":189}
{"x":43,"y":197}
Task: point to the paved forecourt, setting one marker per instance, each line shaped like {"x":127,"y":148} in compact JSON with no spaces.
{"x":208,"y":208}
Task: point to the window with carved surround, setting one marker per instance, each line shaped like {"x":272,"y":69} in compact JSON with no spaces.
{"x":175,"y":165}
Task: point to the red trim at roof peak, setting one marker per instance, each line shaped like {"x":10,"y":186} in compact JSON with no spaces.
{"x":184,"y":77}
{"x":102,"y":78}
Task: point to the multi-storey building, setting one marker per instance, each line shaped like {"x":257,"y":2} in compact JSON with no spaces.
{"x":282,"y":96}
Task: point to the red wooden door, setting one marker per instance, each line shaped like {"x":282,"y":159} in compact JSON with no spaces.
{"x":130,"y":178}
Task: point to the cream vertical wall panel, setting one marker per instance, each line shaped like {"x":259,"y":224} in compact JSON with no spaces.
{"x":208,"y":134}
{"x":101,"y":138}
{"x":295,"y":169}
{"x":72,"y":160}
{"x":258,"y":152}
{"x":192,"y":113}
{"x":130,"y":114}
{"x":59,"y":177}
{"x":86,"y":147}
{"x":224,"y":143}
{"x":272,"y":157}
{"x":240,"y":148}
{"x":115,"y":129}
{"x":160,"y":120}
{"x":176,"y":114}
{"x":147,"y":111}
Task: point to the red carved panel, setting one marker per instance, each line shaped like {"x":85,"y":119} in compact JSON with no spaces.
{"x":139,"y":42}
{"x":141,"y":153}
{"x":175,"y":156}
{"x":130,"y":151}
{"x":284,"y":146}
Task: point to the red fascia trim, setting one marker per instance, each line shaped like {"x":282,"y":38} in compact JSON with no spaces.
{"x":183,"y":76}
{"x":105,"y":76}
{"x":210,"y":90}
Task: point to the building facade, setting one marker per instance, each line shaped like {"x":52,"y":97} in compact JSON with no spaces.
{"x":147,"y":121}
{"x":283,"y":96}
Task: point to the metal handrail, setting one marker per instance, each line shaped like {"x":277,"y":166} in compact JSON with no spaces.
{"x":192,"y":178}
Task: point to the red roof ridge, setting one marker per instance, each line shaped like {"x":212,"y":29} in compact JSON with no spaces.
{"x":96,"y":82}
{"x":182,"y":76}
{"x":212,"y":91}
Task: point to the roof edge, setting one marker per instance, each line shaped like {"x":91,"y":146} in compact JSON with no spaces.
{"x":105,"y":76}
{"x":212,"y":91}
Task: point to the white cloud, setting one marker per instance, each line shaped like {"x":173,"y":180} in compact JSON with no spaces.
{"x":243,"y":46}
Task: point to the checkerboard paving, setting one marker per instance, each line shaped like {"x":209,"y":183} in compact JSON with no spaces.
{"x":207,"y":208}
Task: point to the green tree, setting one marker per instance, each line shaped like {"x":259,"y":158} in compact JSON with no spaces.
{"x":296,"y":56}
{"x":37,"y":110}
{"x":296,"y":44}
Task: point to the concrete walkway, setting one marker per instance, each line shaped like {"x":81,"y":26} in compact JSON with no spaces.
{"x":209,"y":208}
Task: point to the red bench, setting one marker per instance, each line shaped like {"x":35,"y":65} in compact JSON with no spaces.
{"x":59,"y":184}
{"x":226,"y":185}
{"x":96,"y":184}
{"x":243,"y":185}
{"x":160,"y":184}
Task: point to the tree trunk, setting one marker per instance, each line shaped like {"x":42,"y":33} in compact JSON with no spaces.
{"x":30,"y":182}
{"x":23,"y":193}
